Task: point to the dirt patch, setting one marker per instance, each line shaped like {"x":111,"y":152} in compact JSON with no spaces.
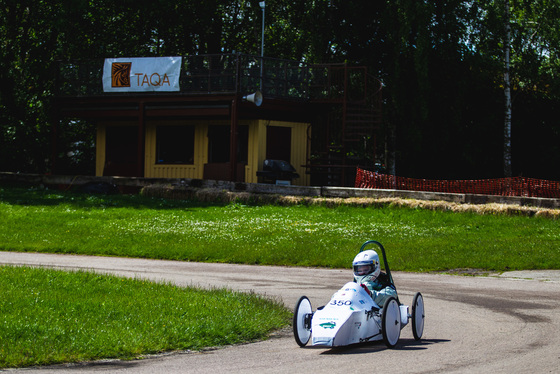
{"x":467,"y":272}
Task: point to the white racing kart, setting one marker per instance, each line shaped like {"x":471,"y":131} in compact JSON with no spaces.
{"x":353,"y":317}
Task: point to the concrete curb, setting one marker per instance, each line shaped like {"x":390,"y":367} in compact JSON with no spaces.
{"x":535,"y":275}
{"x":136,"y":184}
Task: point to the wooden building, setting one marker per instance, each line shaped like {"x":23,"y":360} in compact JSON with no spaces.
{"x":221,"y":116}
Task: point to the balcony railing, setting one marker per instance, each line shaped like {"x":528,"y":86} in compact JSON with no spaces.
{"x":203,"y":74}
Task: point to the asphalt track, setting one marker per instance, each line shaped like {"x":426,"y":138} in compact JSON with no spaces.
{"x":507,"y":323}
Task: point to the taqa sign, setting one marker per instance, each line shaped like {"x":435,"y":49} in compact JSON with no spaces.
{"x":141,"y":74}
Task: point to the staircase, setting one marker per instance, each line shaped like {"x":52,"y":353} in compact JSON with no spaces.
{"x":349,"y":115}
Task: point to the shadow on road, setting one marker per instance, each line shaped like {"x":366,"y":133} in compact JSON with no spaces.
{"x":403,"y":345}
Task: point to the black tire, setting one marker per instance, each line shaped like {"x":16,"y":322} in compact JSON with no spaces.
{"x":418,"y":316}
{"x":302,"y":321}
{"x":391,"y":322}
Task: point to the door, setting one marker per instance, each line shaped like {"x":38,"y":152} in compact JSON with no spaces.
{"x":279,"y":143}
{"x":121,"y":151}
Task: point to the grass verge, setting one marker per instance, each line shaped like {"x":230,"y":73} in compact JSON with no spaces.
{"x":302,"y":234}
{"x":49,"y":316}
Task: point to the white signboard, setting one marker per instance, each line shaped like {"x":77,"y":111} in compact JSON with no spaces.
{"x":141,"y":74}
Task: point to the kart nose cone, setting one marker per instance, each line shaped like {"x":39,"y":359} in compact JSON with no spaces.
{"x":323,"y":341}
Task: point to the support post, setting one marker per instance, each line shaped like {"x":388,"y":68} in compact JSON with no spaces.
{"x":141,"y":139}
{"x":233,"y":139}
{"x":55,"y":117}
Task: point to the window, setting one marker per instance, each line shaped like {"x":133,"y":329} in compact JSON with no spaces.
{"x":175,"y":145}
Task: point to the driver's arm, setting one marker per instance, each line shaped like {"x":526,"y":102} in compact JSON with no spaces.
{"x":380,"y":296}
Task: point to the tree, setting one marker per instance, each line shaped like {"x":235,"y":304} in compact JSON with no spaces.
{"x":507,"y":92}
{"x":441,"y":63}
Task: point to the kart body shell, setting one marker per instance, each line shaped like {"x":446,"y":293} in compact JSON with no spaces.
{"x":351,"y":316}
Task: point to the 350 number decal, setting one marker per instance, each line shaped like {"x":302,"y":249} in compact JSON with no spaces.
{"x":340,"y":302}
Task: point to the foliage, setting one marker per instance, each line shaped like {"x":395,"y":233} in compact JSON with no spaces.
{"x":440,"y":62}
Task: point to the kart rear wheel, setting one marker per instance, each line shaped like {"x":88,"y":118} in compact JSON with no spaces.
{"x":391,"y":322}
{"x":418,"y":316}
{"x":302,"y":321}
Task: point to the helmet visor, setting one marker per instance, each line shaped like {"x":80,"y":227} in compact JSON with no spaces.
{"x":363,"y":269}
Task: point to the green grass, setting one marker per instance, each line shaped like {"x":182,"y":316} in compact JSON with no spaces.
{"x":49,"y":316}
{"x":296,"y":235}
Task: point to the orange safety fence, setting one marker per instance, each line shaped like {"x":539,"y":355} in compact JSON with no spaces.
{"x":517,"y":186}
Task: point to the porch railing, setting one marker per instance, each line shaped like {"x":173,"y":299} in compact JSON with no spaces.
{"x":203,"y":74}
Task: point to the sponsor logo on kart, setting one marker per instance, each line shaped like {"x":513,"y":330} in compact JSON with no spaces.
{"x":328,"y":325}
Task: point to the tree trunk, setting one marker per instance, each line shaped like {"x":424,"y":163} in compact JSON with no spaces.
{"x":507,"y":94}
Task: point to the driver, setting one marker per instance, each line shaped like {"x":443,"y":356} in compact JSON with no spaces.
{"x":367,"y":273}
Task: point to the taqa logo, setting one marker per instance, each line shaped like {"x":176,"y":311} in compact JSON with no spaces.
{"x":120,"y":74}
{"x":120,"y":77}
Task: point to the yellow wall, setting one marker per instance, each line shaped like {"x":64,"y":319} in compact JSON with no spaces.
{"x":256,"y":151}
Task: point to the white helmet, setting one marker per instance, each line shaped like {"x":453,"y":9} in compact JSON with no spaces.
{"x":366,"y":266}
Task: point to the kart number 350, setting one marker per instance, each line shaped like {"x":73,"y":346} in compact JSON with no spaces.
{"x":340,"y":302}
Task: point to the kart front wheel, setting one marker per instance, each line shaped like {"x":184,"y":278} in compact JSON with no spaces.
{"x":302,"y":321}
{"x":391,"y":322}
{"x":418,"y":316}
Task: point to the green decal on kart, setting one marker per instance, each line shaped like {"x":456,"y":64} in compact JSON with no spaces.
{"x":328,"y":325}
